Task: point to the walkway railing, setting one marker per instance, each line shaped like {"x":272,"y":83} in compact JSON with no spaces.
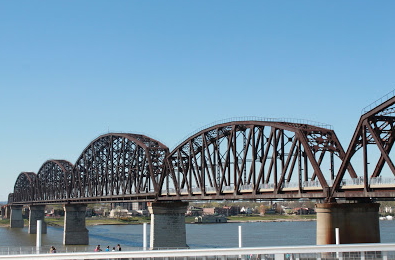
{"x":377,"y":182}
{"x":349,"y":251}
{"x":255,"y":118}
{"x":378,"y":102}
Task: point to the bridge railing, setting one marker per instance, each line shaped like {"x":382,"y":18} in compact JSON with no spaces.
{"x":352,"y":182}
{"x":382,"y":181}
{"x":255,"y":118}
{"x":346,"y":183}
{"x":378,"y":102}
{"x":346,"y":251}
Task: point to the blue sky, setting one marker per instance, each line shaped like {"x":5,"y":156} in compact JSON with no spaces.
{"x":73,"y":70}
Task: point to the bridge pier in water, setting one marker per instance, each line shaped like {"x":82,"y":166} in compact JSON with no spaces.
{"x":357,"y":223}
{"x":168,"y":224}
{"x":16,"y":219}
{"x":75,"y":231}
{"x":37,"y":212}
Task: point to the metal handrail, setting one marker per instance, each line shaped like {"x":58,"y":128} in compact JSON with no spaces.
{"x":378,"y":102}
{"x":255,"y":118}
{"x":239,"y":253}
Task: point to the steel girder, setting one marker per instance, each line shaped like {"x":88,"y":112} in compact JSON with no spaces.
{"x":252,"y":160}
{"x":53,"y":180}
{"x":24,"y":187}
{"x":375,"y":129}
{"x":119,"y":165}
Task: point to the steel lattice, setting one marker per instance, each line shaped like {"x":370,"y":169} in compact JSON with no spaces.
{"x":118,"y":165}
{"x":24,"y":187}
{"x":234,"y":160}
{"x":375,"y":130}
{"x":53,"y":180}
{"x":251,"y":159}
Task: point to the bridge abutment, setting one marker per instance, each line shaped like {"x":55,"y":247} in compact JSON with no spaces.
{"x":168,"y":224}
{"x":16,"y":219}
{"x":357,"y":223}
{"x":37,"y":212}
{"x":75,"y":231}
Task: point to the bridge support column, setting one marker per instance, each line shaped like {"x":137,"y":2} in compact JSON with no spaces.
{"x":16,"y":220}
{"x":168,"y":224}
{"x":37,"y":212}
{"x":4,"y":212}
{"x":357,"y":223}
{"x":75,"y":232}
{"x":8,"y":212}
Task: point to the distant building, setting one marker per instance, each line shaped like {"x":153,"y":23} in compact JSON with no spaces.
{"x":226,"y":211}
{"x":194,"y":211}
{"x":211,"y":219}
{"x":131,"y":205}
{"x":245,"y":211}
{"x":303,"y":211}
{"x":118,"y":213}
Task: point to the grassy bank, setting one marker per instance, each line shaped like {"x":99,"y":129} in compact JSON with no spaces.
{"x":244,"y":218}
{"x":101,"y":221}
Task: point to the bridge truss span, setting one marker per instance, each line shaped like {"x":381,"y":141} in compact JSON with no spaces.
{"x":24,"y":187}
{"x":371,"y":146}
{"x":253,"y":159}
{"x":53,"y":180}
{"x":119,"y":166}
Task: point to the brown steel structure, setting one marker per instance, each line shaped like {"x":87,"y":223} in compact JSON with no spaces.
{"x":376,"y":130}
{"x":24,"y":187}
{"x":253,"y":159}
{"x":234,"y":160}
{"x":53,"y":180}
{"x":119,"y":167}
{"x":113,"y":167}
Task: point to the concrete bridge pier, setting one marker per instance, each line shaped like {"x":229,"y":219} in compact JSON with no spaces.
{"x":16,"y":219}
{"x":8,"y":212}
{"x":75,"y":231}
{"x":357,"y":223}
{"x":5,"y":212}
{"x":37,"y":212}
{"x":168,"y":224}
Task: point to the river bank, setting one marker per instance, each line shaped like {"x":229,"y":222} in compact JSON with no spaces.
{"x":59,"y":221}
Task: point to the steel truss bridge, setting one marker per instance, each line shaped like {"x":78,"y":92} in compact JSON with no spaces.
{"x":240,"y":159}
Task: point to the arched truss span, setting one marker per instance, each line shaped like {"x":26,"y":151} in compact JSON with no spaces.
{"x":24,"y":187}
{"x":54,"y":180}
{"x":254,"y":159}
{"x":119,"y":165}
{"x":371,"y":150}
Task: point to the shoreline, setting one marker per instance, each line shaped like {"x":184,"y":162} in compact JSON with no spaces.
{"x":51,"y":224}
{"x":272,"y":220}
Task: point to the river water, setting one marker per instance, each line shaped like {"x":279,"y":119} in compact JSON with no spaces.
{"x":254,"y":234}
